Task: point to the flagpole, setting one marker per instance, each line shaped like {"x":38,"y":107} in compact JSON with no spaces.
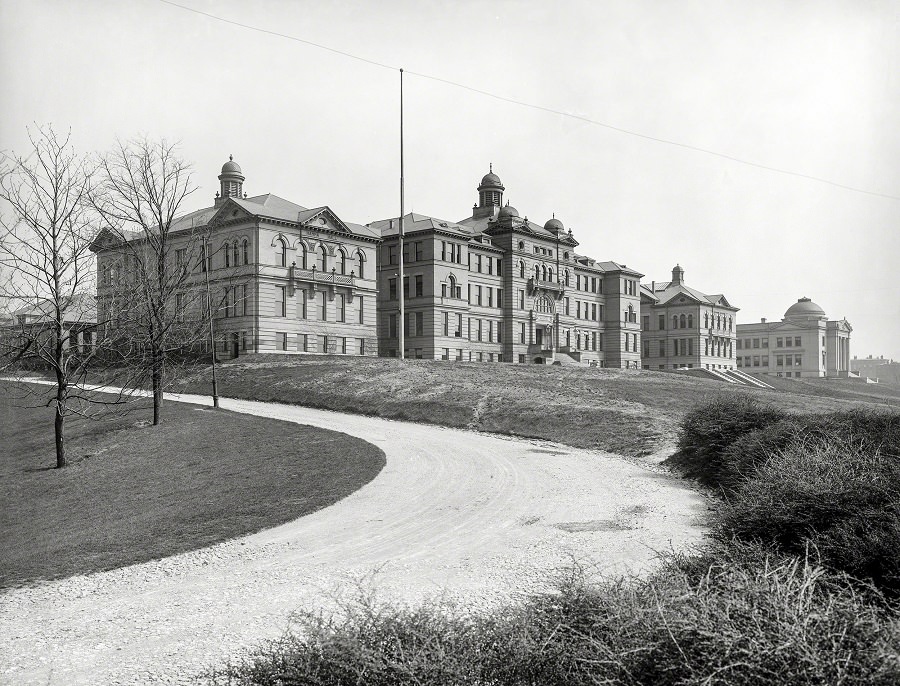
{"x":400,"y":286}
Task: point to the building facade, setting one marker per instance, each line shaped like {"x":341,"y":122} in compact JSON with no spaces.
{"x":495,"y":286}
{"x":282,"y":277}
{"x":683,"y":328}
{"x":803,"y":344}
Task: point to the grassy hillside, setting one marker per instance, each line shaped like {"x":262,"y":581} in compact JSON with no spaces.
{"x":630,"y":412}
{"x":134,"y":492}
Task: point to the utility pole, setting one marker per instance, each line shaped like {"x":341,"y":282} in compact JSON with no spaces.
{"x":400,"y":286}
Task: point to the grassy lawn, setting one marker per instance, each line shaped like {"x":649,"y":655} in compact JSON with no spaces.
{"x":136,"y":493}
{"x":629,"y":412}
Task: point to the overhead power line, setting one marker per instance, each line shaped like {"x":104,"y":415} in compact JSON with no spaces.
{"x":541,"y":108}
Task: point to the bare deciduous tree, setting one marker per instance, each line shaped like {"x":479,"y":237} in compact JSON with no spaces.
{"x":150,"y":277}
{"x":46,"y":267}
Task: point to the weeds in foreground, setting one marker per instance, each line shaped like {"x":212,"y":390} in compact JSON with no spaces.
{"x":735,"y":614}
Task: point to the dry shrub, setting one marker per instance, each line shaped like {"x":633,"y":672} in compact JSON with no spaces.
{"x":734,"y":615}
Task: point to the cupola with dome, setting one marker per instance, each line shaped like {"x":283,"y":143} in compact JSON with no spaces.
{"x":231,"y":181}
{"x":554,"y":226}
{"x":490,"y":194}
{"x":805,"y":309}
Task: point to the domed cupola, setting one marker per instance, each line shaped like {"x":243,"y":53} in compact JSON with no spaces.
{"x":554,"y":226}
{"x":805,"y":310}
{"x":507,"y":212}
{"x":490,"y":194}
{"x":231,"y":181}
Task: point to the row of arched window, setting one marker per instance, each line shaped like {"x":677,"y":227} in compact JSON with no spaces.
{"x":236,"y":254}
{"x":719,"y":321}
{"x":542,"y":273}
{"x":344,"y":263}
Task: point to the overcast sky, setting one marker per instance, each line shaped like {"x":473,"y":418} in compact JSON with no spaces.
{"x":808,"y":87}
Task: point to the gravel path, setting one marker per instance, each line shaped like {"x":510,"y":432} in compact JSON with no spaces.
{"x":474,"y":517}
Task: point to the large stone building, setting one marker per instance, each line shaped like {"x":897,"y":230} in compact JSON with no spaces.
{"x":495,"y":286}
{"x":684,"y":328}
{"x":283,"y":278}
{"x":804,"y":343}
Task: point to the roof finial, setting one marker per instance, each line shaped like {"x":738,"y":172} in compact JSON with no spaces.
{"x":230,"y":158}
{"x":554,"y":215}
{"x":491,"y":167}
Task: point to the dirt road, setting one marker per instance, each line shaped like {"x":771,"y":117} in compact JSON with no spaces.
{"x":474,"y":517}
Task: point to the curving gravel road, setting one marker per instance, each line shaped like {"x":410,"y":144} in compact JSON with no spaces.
{"x":473,"y":517}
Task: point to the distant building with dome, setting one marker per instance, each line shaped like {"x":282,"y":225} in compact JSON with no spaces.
{"x":495,"y":286}
{"x":283,"y":277}
{"x":805,"y":343}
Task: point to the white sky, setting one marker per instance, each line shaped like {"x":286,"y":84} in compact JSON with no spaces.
{"x":808,"y":86}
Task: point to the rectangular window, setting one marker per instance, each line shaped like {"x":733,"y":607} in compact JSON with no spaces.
{"x":469,"y":293}
{"x":392,"y":289}
{"x":690,"y":346}
{"x":409,"y":323}
{"x":778,"y":343}
{"x":478,"y":295}
{"x":406,"y":253}
{"x":521,"y":299}
{"x":420,"y":324}
{"x":392,"y":326}
{"x":755,"y":342}
{"x":361,"y":309}
{"x":490,"y":265}
{"x":490,"y":331}
{"x":362,"y":345}
{"x":797,"y":342}
{"x":282,"y":301}
{"x":324,"y":307}
{"x":798,"y":361}
{"x":499,"y":334}
{"x":459,"y":327}
{"x":756,"y":360}
{"x":392,"y":254}
{"x":446,"y":323}
{"x":478,"y":263}
{"x":406,"y":287}
{"x":662,"y":322}
{"x":344,"y":345}
{"x":323,"y":344}
{"x":594,"y":341}
{"x":490,"y":296}
{"x":499,"y":296}
{"x":578,"y":309}
{"x":779,"y":360}
{"x":765,"y":360}
{"x":567,"y":306}
{"x":340,"y":302}
{"x":443,"y":251}
{"x":471,"y":329}
{"x":645,"y":322}
{"x":418,"y":245}
{"x":594,"y":311}
{"x":282,"y":340}
{"x":522,"y":332}
{"x":420,"y":284}
{"x":479,"y":328}
{"x":738,"y":344}
{"x":788,"y":342}
{"x":646,"y":346}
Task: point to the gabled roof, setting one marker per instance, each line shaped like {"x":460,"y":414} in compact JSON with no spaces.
{"x":80,"y":308}
{"x":666,"y":291}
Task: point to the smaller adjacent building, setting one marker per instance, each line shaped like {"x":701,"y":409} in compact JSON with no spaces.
{"x":803,"y":344}
{"x":683,"y":328}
